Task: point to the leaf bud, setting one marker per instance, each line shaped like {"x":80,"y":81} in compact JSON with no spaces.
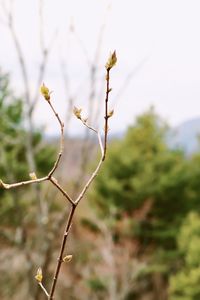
{"x":67,"y":258}
{"x":77,"y":112}
{"x":111,"y":61}
{"x":33,"y":176}
{"x":45,"y":92}
{"x":39,"y":275}
{"x":111,"y":113}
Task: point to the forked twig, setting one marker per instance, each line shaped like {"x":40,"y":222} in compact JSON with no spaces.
{"x":74,"y":202}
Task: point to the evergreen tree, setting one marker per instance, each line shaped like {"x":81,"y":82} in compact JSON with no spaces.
{"x":143,"y":169}
{"x":184,"y":285}
{"x":13,"y":164}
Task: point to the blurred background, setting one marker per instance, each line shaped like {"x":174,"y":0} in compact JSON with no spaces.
{"x":136,"y":234}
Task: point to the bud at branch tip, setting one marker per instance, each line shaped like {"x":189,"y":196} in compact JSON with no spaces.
{"x":77,"y":112}
{"x":45,"y":92}
{"x":111,"y":62}
{"x":39,"y":275}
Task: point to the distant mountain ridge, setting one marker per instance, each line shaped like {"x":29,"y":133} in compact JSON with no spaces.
{"x":186,"y":136}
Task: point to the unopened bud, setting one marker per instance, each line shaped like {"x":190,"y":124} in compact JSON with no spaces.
{"x":67,"y":258}
{"x":77,"y":112}
{"x":33,"y":176}
{"x":110,"y":114}
{"x":39,"y":275}
{"x":45,"y":92}
{"x":111,"y":61}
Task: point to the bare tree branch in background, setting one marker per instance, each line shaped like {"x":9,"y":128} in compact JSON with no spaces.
{"x":93,"y":70}
{"x":30,"y":101}
{"x":30,"y":105}
{"x":129,"y":77}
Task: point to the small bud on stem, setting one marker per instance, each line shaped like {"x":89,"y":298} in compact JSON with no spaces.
{"x":111,"y":61}
{"x":39,"y":275}
{"x":33,"y":176}
{"x":45,"y":92}
{"x":77,"y":112}
{"x":67,"y":258}
{"x":111,"y":112}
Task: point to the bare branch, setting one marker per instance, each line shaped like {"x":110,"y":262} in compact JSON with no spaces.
{"x":45,"y":55}
{"x":89,"y":182}
{"x":14,"y":185}
{"x":61,"y":140}
{"x":54,"y":181}
{"x":60,"y":258}
{"x":43,"y":288}
{"x":98,"y":134}
{"x":21,"y":59}
{"x":49,"y":176}
{"x":129,"y":77}
{"x":46,"y":94}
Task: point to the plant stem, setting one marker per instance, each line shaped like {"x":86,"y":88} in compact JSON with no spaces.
{"x":60,"y":258}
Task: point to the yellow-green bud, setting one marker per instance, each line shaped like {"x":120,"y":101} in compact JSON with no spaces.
{"x":39,"y":275}
{"x":33,"y":176}
{"x":67,"y":258}
{"x":111,"y":61}
{"x":111,"y":112}
{"x":77,"y":112}
{"x":45,"y":92}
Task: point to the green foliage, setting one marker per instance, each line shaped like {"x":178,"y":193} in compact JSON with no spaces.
{"x":96,"y":284}
{"x":13,"y":163}
{"x":142,"y":169}
{"x":185,"y":283}
{"x":154,"y":187}
{"x":11,"y":133}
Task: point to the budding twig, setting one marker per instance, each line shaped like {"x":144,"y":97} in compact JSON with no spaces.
{"x":74,"y":202}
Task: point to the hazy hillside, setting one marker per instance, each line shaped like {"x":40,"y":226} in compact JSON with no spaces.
{"x":186,"y":135}
{"x":183,"y":136}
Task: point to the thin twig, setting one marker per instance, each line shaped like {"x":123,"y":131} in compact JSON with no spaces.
{"x":49,"y":176}
{"x":43,"y":288}
{"x":60,"y":258}
{"x":61,"y":141}
{"x":21,"y":183}
{"x":89,"y":181}
{"x":98,"y":134}
{"x":54,"y":181}
{"x":106,"y":112}
{"x":22,"y":63}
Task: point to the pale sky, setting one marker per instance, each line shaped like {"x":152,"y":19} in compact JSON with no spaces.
{"x":160,"y":36}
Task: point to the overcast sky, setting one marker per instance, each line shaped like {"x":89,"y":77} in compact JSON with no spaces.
{"x":157,"y":39}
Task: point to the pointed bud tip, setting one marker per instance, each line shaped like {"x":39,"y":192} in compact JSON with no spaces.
{"x":39,"y":275}
{"x":77,"y":112}
{"x":45,"y":92}
{"x":112,"y":60}
{"x":111,"y":113}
